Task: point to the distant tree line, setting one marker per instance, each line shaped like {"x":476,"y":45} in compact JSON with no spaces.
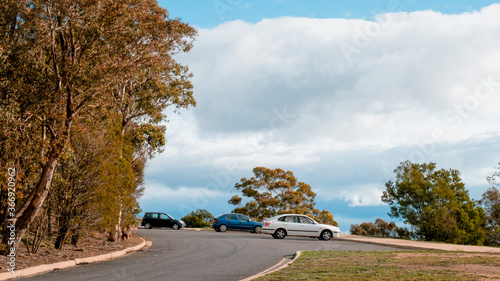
{"x":437,"y":207}
{"x":83,"y":90}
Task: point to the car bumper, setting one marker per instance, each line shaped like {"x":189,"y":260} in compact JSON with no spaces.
{"x":267,"y":230}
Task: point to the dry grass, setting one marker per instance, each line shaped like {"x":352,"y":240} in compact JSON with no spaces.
{"x":408,"y":265}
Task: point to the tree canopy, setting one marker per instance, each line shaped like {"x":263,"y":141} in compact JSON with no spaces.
{"x":435,"y":203}
{"x":277,"y":192}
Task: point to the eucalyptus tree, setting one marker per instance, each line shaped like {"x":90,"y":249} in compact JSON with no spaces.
{"x":275,"y":191}
{"x":490,"y":201}
{"x":63,"y":59}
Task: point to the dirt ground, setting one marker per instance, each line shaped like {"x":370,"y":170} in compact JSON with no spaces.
{"x":95,"y":244}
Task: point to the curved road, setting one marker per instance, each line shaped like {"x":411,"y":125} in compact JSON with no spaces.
{"x":200,"y":255}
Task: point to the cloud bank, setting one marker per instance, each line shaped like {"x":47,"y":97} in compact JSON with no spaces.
{"x":340,"y":102}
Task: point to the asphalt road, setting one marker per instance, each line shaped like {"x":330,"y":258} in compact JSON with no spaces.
{"x":200,"y":255}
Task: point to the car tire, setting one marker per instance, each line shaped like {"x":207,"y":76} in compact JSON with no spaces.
{"x":274,"y":236}
{"x":326,"y":235}
{"x":223,"y":228}
{"x":147,"y":226}
{"x":176,"y":226}
{"x":257,"y":229}
{"x":280,"y":233}
{"x":216,"y":229}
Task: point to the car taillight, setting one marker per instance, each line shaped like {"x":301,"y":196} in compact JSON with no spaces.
{"x":267,"y":223}
{"x":215,"y":220}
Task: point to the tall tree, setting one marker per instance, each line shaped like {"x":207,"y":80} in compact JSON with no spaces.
{"x":277,"y":192}
{"x":62,"y":59}
{"x":435,"y":203}
{"x":491,"y":204}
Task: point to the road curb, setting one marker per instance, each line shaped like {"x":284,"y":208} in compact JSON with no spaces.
{"x":418,"y":245}
{"x":274,"y":268}
{"x":70,"y":263}
{"x":198,"y":229}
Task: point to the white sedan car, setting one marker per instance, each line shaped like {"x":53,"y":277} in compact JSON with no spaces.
{"x":298,"y":225}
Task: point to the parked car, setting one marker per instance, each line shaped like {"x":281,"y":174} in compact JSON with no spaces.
{"x":298,"y":225}
{"x":225,"y":222}
{"x":155,"y":219}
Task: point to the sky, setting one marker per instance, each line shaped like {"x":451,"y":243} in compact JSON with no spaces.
{"x":338,"y":92}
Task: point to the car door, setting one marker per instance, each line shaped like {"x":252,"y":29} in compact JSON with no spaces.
{"x":290,"y":223}
{"x":165,"y":220}
{"x":308,"y":227}
{"x":245,"y":223}
{"x":153,"y":220}
{"x":232,"y":221}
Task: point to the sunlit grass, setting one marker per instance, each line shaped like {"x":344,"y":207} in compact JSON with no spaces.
{"x":368,"y":265}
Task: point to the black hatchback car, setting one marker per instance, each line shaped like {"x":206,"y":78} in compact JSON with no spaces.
{"x":155,"y":219}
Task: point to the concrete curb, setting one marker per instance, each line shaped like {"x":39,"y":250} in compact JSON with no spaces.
{"x":198,"y":229}
{"x":65,"y":264}
{"x":417,"y":245}
{"x":274,"y":268}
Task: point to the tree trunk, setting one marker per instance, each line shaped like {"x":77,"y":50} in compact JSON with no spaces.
{"x":33,"y":205}
{"x":75,"y":238}
{"x":114,"y":235}
{"x":61,"y":236}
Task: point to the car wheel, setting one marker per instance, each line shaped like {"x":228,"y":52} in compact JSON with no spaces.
{"x":223,"y":228}
{"x":326,"y":235}
{"x":274,"y":236}
{"x":280,"y":233}
{"x":216,"y":229}
{"x":257,"y":229}
{"x":147,"y":226}
{"x":175,"y":226}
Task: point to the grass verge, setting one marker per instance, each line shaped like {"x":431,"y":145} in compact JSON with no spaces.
{"x":397,"y":265}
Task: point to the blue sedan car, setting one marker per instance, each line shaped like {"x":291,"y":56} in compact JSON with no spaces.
{"x":227,"y":222}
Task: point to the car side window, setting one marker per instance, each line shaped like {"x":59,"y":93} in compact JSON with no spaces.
{"x":243,"y":218}
{"x":291,"y":219}
{"x":147,"y":215}
{"x":305,"y":220}
{"x":154,"y":215}
{"x":282,"y":219}
{"x":163,"y":217}
{"x":231,"y":217}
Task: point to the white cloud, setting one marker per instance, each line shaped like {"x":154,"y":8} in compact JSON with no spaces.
{"x":282,"y":93}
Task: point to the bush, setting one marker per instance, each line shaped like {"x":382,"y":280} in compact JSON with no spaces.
{"x":198,"y":218}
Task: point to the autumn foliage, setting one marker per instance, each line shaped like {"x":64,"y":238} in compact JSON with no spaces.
{"x":84,"y":85}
